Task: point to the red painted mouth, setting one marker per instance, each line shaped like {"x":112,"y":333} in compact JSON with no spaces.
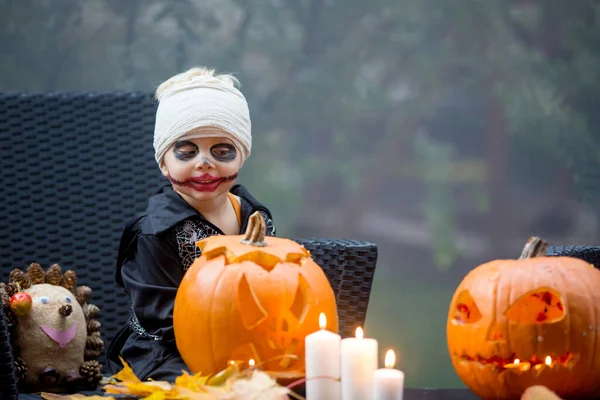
{"x":204,"y":183}
{"x":567,"y":359}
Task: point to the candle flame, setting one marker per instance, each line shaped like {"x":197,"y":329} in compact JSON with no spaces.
{"x":390,"y":359}
{"x":548,"y":360}
{"x":322,"y":321}
{"x":231,"y":362}
{"x":359,"y":333}
{"x":517,"y":361}
{"x":251,"y":362}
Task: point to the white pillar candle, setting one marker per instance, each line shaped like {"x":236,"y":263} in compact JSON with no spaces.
{"x":388,"y":383}
{"x":358,"y":366}
{"x":322,"y":357}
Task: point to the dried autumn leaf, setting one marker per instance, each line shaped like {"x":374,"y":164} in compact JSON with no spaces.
{"x":209,"y":394}
{"x":220,"y":378}
{"x":156,"y":396}
{"x":126,"y":374}
{"x":52,"y":396}
{"x":229,"y":384}
{"x":142,"y":389}
{"x":195,"y":382}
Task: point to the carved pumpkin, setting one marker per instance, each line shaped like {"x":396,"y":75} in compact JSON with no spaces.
{"x":251,"y":297}
{"x":513,"y":324}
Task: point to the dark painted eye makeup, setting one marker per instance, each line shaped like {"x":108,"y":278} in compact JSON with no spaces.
{"x":185,"y":150}
{"x":223,"y":152}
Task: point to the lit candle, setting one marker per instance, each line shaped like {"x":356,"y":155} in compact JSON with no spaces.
{"x":358,"y":365}
{"x":388,"y":383}
{"x":322,"y":355}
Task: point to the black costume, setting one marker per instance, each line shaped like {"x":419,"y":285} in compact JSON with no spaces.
{"x":156,"y":248}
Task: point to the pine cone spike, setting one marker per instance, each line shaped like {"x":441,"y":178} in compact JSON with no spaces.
{"x":90,"y":311}
{"x":12,"y":288}
{"x":19,"y":277}
{"x":4,"y":297}
{"x":69,"y":280}
{"x":93,"y":326}
{"x":20,"y":369}
{"x":36,"y":274}
{"x":9,"y":317}
{"x":94,"y":343}
{"x":91,"y":371}
{"x":83,"y":294}
{"x":54,"y":274}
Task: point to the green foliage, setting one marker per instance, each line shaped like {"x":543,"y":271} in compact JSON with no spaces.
{"x":435,"y":162}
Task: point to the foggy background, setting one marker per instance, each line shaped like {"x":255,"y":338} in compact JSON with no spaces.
{"x":445,"y":131}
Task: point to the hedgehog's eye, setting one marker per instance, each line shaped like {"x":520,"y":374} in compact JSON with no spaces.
{"x":44,"y":299}
{"x":68,"y":299}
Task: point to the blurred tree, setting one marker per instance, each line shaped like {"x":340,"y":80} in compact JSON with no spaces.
{"x":339,"y":90}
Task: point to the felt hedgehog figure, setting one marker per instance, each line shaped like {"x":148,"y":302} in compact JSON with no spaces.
{"x":53,"y":329}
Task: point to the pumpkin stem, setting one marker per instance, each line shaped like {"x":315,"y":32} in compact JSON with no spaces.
{"x":256,"y":231}
{"x":535,"y":247}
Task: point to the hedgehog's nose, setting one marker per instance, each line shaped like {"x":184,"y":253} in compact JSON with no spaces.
{"x":65,"y":310}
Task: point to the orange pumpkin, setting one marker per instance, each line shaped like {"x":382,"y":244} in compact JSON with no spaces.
{"x":251,"y":297}
{"x":513,"y":324}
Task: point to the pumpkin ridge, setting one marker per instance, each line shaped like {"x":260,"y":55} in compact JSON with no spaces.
{"x":510,"y":301}
{"x":566,"y":306}
{"x":210,"y":320}
{"x":590,"y":295}
{"x":538,"y":327}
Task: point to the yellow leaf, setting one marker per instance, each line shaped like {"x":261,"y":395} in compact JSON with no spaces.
{"x":138,"y":389}
{"x":52,"y":396}
{"x":221,"y":377}
{"x":195,"y":383}
{"x":126,"y":374}
{"x":156,"y":396}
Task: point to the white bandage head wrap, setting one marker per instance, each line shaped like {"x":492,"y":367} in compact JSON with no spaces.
{"x":197,"y":104}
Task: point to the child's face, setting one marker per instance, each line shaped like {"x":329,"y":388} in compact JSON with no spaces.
{"x":202,"y":169}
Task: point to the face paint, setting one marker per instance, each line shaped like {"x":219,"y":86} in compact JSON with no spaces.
{"x":223,"y":152}
{"x":185,"y":150}
{"x":204,"y":183}
{"x":205,"y":161}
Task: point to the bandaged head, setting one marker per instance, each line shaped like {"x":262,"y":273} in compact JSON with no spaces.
{"x":197,"y":104}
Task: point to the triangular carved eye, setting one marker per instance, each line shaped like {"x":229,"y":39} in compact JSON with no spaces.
{"x":302,"y":300}
{"x":541,"y":306}
{"x":251,"y":310}
{"x":465,"y":309}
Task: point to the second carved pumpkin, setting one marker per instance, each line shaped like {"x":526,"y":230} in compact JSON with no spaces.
{"x":513,"y":324}
{"x":251,"y":297}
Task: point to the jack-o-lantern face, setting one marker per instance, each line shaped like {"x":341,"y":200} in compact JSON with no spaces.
{"x":252,"y":300}
{"x":517,"y":323}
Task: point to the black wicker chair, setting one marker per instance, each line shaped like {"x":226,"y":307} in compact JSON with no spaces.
{"x":75,"y":167}
{"x":8,"y":380}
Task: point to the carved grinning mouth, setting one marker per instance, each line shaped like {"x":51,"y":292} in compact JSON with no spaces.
{"x":534,"y":362}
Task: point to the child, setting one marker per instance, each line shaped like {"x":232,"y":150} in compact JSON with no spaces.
{"x":202,"y":137}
